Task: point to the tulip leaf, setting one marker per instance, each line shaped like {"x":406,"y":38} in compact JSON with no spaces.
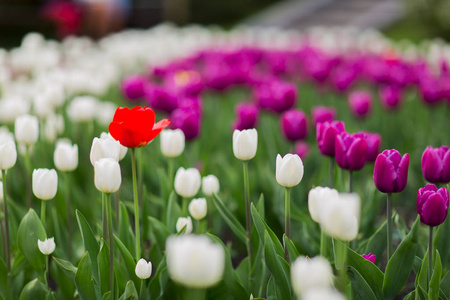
{"x":433,"y":292}
{"x":130,"y":292}
{"x":277,"y":267}
{"x":376,"y":244}
{"x":158,"y":282}
{"x":34,"y":290}
{"x":130,"y":264}
{"x":422,"y":274}
{"x":30,"y":231}
{"x":173,"y":212}
{"x":230,"y":219}
{"x":441,"y":241}
{"x":84,"y":280}
{"x":400,"y":265}
{"x":242,"y":272}
{"x":445,"y":283}
{"x":261,"y":227}
{"x":90,"y":243}
{"x":360,"y":285}
{"x":103,"y":267}
{"x":125,"y":233}
{"x":3,"y":279}
{"x":67,"y":267}
{"x":272,"y":291}
{"x":63,"y":272}
{"x":292,"y":250}
{"x":260,"y":207}
{"x":160,"y":231}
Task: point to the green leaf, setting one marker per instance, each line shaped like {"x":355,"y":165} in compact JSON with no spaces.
{"x":422,"y":275}
{"x":441,"y":242}
{"x":125,"y":233}
{"x":242,"y":272}
{"x":130,"y":264}
{"x":361,"y":287}
{"x":4,"y":288}
{"x":158,"y":282}
{"x":160,"y":231}
{"x":130,"y":291}
{"x":445,"y":284}
{"x":433,"y":292}
{"x":67,"y":267}
{"x":400,"y":265}
{"x":84,"y":280}
{"x":29,"y":232}
{"x":260,"y":207}
{"x":261,"y":227}
{"x":230,"y":219}
{"x":90,"y":243}
{"x":103,"y":267}
{"x":277,"y":267}
{"x":272,"y":290}
{"x":34,"y":290}
{"x":292,"y":250}
{"x":173,"y":212}
{"x":376,"y":244}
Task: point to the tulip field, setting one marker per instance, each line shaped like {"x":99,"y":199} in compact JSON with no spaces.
{"x":198,"y":163}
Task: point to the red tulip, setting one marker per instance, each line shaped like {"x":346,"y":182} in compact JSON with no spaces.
{"x":135,"y":127}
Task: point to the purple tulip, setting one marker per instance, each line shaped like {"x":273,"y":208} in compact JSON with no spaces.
{"x":247,"y":116}
{"x":373,"y":145}
{"x":160,"y":98}
{"x":187,"y":83}
{"x":370,"y":257}
{"x":351,"y":151}
{"x":360,"y":103}
{"x":432,"y":204}
{"x":133,"y":87}
{"x":188,"y":120}
{"x":436,"y":164}
{"x":322,"y":114}
{"x":430,"y":90}
{"x":326,"y":135}
{"x":391,"y":171}
{"x":302,"y":149}
{"x":294,"y":125}
{"x":276,"y":95}
{"x":390,"y":96}
{"x":343,"y":77}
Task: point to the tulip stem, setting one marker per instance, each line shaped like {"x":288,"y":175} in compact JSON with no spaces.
{"x":69,"y":215}
{"x":331,"y":172}
{"x":287,"y":220}
{"x":184,"y":206}
{"x":141,"y":290}
{"x":43,"y":203}
{"x":47,"y":270}
{"x":2,"y":232}
{"x":197,"y":294}
{"x":136,"y":205}
{"x":104,"y":219}
{"x":111,"y":245}
{"x":170,"y":173}
{"x":389,"y":225}
{"x":248,"y":224}
{"x":430,"y":254}
{"x":5,"y":208}
{"x":350,"y":187}
{"x":323,"y":243}
{"x":28,"y":175}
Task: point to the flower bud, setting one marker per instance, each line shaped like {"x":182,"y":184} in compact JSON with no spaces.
{"x":436,"y":164}
{"x":182,"y":222}
{"x":123,"y":149}
{"x":172,"y":142}
{"x":247,"y":116}
{"x":188,"y":120}
{"x":294,"y":125}
{"x":194,"y":261}
{"x":104,"y":148}
{"x":326,"y":136}
{"x":107,"y":175}
{"x":143,"y":269}
{"x":187,"y":182}
{"x":319,"y":197}
{"x":198,"y":208}
{"x":307,"y":274}
{"x":26,"y":129}
{"x":66,"y":156}
{"x":390,"y":96}
{"x":289,"y":170}
{"x":370,"y":257}
{"x":210,"y":185}
{"x":47,"y":246}
{"x":45,"y":183}
{"x":360,"y":103}
{"x":432,"y":204}
{"x":245,"y":143}
{"x":8,"y":154}
{"x":351,"y":151}
{"x":82,"y":109}
{"x":323,"y":114}
{"x":302,"y":149}
{"x":391,"y":171}
{"x":373,"y":141}
{"x":133,"y":87}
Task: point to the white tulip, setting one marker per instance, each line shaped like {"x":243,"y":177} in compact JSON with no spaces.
{"x":172,"y":142}
{"x":42,"y":107}
{"x":47,"y":246}
{"x":104,"y":148}
{"x":210,"y":185}
{"x":198,"y":208}
{"x":289,"y":170}
{"x":245,"y":143}
{"x":45,"y":183}
{"x":107,"y":175}
{"x":82,"y":109}
{"x":181,"y":222}
{"x":319,"y":197}
{"x":105,"y":112}
{"x":340,"y":218}
{"x":1,"y":191}
{"x":187,"y":182}
{"x":8,"y":154}
{"x":55,"y":94}
{"x":53,"y":126}
{"x":123,"y":149}
{"x":13,"y":107}
{"x":66,"y":157}
{"x":143,"y":269}
{"x":26,"y":129}
{"x":307,"y":274}
{"x":194,"y":261}
{"x":322,"y":294}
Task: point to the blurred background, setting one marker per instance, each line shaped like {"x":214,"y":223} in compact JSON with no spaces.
{"x":411,"y":19}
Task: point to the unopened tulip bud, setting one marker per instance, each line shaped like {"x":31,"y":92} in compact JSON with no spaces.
{"x":187,"y":182}
{"x":47,"y":246}
{"x":8,"y":154}
{"x":26,"y":129}
{"x":373,"y":145}
{"x":436,"y":164}
{"x":210,"y":185}
{"x":143,"y":269}
{"x":311,"y":273}
{"x":172,"y":142}
{"x":351,"y":151}
{"x":289,"y":170}
{"x":432,"y":204}
{"x":82,"y":109}
{"x":294,"y":125}
{"x":360,"y":103}
{"x":45,"y":183}
{"x":123,"y":149}
{"x":323,"y":114}
{"x":245,"y":143}
{"x":326,"y":136}
{"x":104,"y":148}
{"x":319,"y":197}
{"x":182,"y":222}
{"x":107,"y":175}
{"x":198,"y":208}
{"x":66,"y":156}
{"x":390,"y":173}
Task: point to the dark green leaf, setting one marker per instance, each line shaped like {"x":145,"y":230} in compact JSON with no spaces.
{"x":128,"y":260}
{"x":90,"y":243}
{"x":173,"y":212}
{"x":433,"y":292}
{"x":130,"y":291}
{"x":125,"y":233}
{"x":158,"y":282}
{"x":67,"y":267}
{"x":292,"y":250}
{"x":361,"y":287}
{"x":103,"y":267}
{"x":261,"y":227}
{"x":160,"y":231}
{"x":84,"y":280}
{"x":29,"y":232}
{"x":34,"y":290}
{"x":230,"y":219}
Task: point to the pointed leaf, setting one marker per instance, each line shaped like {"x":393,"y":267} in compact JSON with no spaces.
{"x":292,"y":250}
{"x":29,"y":232}
{"x":103,"y":267}
{"x":173,"y":211}
{"x":433,"y":292}
{"x":276,"y":267}
{"x":67,"y":267}
{"x":261,"y":227}
{"x":361,"y":287}
{"x":84,"y":280}
{"x":34,"y":290}
{"x":230,"y":219}
{"x":90,"y":243}
{"x":128,"y":260}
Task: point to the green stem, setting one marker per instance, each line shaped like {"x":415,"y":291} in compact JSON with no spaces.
{"x":104,"y":218}
{"x":141,"y":290}
{"x":2,"y":232}
{"x":43,"y":204}
{"x":69,"y":215}
{"x":351,"y":182}
{"x":323,"y":243}
{"x":111,"y":245}
{"x":248,"y":223}
{"x":170,"y":173}
{"x":287,"y":218}
{"x":195,"y":294}
{"x":136,"y":205}
{"x":331,"y":172}
{"x":47,"y":270}
{"x":28,"y":172}
{"x":389,"y":225}
{"x":5,"y":209}
{"x":340,"y":253}
{"x":430,"y":254}
{"x":184,"y":206}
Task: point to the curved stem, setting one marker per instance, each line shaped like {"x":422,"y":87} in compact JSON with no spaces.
{"x":111,"y":245}
{"x":47,"y":270}
{"x":28,"y":171}
{"x":141,"y":290}
{"x":389,"y":225}
{"x":170,"y":174}
{"x":136,"y":205}
{"x":323,"y":243}
{"x":5,"y":208}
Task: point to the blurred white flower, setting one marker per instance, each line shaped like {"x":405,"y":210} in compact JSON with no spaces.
{"x":311,"y":273}
{"x":47,"y":246}
{"x":187,"y":182}
{"x":8,"y":154}
{"x":82,"y":109}
{"x":245,"y":143}
{"x":66,"y":156}
{"x":181,"y":222}
{"x":198,"y":208}
{"x":105,"y":112}
{"x":26,"y":130}
{"x":318,"y":197}
{"x":210,"y":185}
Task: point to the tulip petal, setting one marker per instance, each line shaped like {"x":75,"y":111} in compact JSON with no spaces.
{"x":434,"y":210}
{"x":384,"y":174}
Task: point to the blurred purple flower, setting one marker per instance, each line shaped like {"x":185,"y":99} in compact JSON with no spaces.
{"x":294,"y":125}
{"x":390,"y":173}
{"x":436,"y":164}
{"x":360,"y":103}
{"x":351,"y":151}
{"x":326,"y":135}
{"x":432,"y":204}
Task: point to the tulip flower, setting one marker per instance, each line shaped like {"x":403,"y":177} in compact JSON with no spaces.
{"x":370,"y":257}
{"x":66,"y":156}
{"x":107,"y":175}
{"x":45,"y":185}
{"x":172,"y":142}
{"x":247,"y":116}
{"x":133,"y":87}
{"x":47,"y":246}
{"x":187,"y":182}
{"x":360,"y":103}
{"x":302,"y":149}
{"x":123,"y":149}
{"x":198,"y":208}
{"x":351,"y":151}
{"x":184,"y":222}
{"x":390,"y":96}
{"x":373,"y":145}
{"x":326,"y":136}
{"x":188,"y":120}
{"x":194,"y":261}
{"x":310,"y":274}
{"x":436,"y":164}
{"x":318,"y":197}
{"x":210,"y":185}
{"x":323,"y":114}
{"x":143,"y":269}
{"x":8,"y":154}
{"x":26,"y":130}
{"x":82,"y":109}
{"x":161,"y":98}
{"x":294,"y":125}
{"x":245,"y":144}
{"x":104,"y":148}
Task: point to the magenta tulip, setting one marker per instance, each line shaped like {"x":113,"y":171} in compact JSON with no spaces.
{"x":390,"y":96}
{"x":294,"y":125}
{"x":436,"y":164}
{"x":326,"y":135}
{"x":360,"y":103}
{"x":373,"y":145}
{"x":391,"y":171}
{"x":322,"y":114}
{"x":133,"y":87}
{"x":351,"y":151}
{"x":432,"y":204}
{"x":370,"y":257}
